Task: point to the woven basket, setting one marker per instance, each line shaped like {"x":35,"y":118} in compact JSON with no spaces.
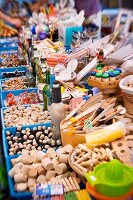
{"x":72,"y":166}
{"x":128,"y":102}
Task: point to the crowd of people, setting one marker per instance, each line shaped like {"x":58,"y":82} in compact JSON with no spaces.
{"x":91,"y":8}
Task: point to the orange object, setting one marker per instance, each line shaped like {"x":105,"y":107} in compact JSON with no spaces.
{"x":98,"y":196}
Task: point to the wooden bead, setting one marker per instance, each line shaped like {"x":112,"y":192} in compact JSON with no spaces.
{"x":10,"y":142}
{"x":40,"y":155}
{"x":25,"y":152}
{"x":31,"y":182}
{"x":8,"y":133}
{"x":61,"y":168}
{"x":8,"y":138}
{"x":46,"y":147}
{"x":40,"y":128}
{"x":41,"y":170}
{"x":58,"y":142}
{"x":68,"y":148}
{"x":39,"y":148}
{"x":25,"y":170}
{"x":32,"y":173}
{"x":21,"y":187}
{"x":55,"y":161}
{"x":51,"y":153}
{"x":53,"y":143}
{"x":63,"y":158}
{"x":31,"y":137}
{"x":50,"y":174}
{"x":19,"y":178}
{"x":41,"y":179}
{"x":25,"y":137}
{"x":42,"y":137}
{"x":27,"y":159}
{"x":23,"y":132}
{"x":38,"y":134}
{"x":47,"y":164}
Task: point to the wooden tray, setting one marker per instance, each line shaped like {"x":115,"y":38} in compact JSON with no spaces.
{"x":104,"y":85}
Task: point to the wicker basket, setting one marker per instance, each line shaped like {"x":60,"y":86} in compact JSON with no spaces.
{"x":128,"y":102}
{"x":74,"y":167}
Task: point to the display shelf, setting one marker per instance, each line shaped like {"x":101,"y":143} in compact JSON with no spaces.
{"x":12,"y":69}
{"x":15,"y":93}
{"x":21,"y":77}
{"x":2,"y":115}
{"x":12,"y":131}
{"x":8,"y":48}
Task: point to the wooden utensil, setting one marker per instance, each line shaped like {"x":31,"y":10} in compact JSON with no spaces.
{"x":103,"y":113}
{"x":122,"y":151}
{"x":92,"y":101}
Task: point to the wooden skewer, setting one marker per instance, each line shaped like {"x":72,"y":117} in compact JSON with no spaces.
{"x":76,"y":184}
{"x":68,"y":184}
{"x":72,"y":183}
{"x":65,"y":185}
{"x":67,"y":85}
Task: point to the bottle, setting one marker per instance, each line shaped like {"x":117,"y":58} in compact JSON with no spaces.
{"x":45,"y":97}
{"x":47,"y":93}
{"x":57,"y":111}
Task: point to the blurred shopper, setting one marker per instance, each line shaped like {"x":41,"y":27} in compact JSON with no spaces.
{"x":5,"y":17}
{"x":11,"y":20}
{"x":91,"y":7}
{"x":92,"y":10}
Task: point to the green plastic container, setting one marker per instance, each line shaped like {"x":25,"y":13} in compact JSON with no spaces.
{"x":112,"y":179}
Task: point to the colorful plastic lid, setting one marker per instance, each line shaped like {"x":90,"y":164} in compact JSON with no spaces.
{"x":111,"y":70}
{"x":118,"y":69}
{"x":100,"y":65}
{"x":93,"y":73}
{"x":99,"y":68}
{"x":111,"y":74}
{"x":98,"y":74}
{"x":117,"y":72}
{"x":105,"y":75}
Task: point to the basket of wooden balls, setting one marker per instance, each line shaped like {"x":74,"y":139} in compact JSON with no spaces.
{"x":126,"y":85}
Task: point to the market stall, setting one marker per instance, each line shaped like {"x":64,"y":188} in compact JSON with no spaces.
{"x":67,"y":108}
